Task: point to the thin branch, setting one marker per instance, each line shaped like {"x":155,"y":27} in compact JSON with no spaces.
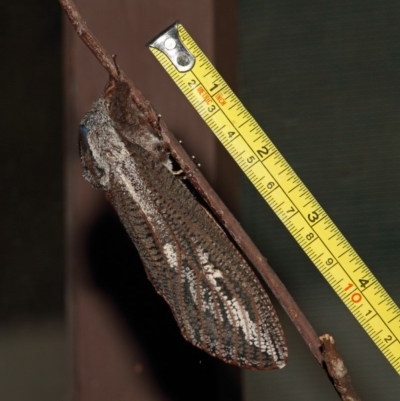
{"x":337,"y":369}
{"x":244,"y":242}
{"x":88,"y":38}
{"x":186,"y":163}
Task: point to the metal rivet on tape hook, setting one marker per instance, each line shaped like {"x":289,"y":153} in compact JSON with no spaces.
{"x":171,"y":45}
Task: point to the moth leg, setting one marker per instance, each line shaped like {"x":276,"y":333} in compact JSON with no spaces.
{"x":178,"y":172}
{"x":108,"y":197}
{"x":159,"y":123}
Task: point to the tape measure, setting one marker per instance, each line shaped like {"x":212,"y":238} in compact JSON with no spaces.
{"x":281,"y":188}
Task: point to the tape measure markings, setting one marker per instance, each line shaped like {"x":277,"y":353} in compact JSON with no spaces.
{"x":289,"y":198}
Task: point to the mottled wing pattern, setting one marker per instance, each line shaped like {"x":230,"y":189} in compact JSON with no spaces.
{"x":216,"y":299}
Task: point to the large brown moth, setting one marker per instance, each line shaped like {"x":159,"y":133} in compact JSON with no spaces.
{"x":216,"y":299}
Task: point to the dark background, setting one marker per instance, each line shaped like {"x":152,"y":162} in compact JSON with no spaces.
{"x":321,"y":79}
{"x":32,"y":329}
{"x":31,"y":160}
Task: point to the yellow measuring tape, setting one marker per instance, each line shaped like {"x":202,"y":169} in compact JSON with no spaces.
{"x":281,"y":188}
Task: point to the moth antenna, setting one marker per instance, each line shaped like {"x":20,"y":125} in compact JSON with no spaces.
{"x":114,"y":57}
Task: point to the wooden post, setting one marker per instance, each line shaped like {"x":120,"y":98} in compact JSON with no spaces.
{"x":119,"y":326}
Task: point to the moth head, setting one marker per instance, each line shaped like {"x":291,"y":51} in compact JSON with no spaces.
{"x":95,"y":134}
{"x":112,"y":132}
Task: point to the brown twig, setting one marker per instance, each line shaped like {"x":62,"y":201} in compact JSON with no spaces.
{"x":88,"y":38}
{"x":337,"y":369}
{"x":203,"y":187}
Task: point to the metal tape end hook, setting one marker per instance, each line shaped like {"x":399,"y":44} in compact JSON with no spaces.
{"x":169,"y":42}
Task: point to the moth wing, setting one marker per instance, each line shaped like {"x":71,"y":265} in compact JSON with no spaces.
{"x":223,"y":308}
{"x":218,"y":302}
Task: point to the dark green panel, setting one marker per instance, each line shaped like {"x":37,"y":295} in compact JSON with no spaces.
{"x":322,"y":78}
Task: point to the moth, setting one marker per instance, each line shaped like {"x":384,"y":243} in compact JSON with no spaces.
{"x":216,"y":299}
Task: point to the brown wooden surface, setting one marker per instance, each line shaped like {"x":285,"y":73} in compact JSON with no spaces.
{"x":107,"y":362}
